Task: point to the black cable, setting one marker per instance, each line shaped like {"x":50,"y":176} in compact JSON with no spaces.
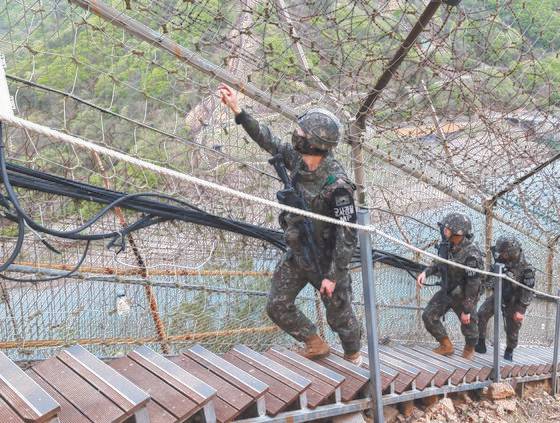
{"x":139,"y":224}
{"x":21,"y":226}
{"x":411,"y":267}
{"x":396,"y":261}
{"x":74,"y":233}
{"x":17,"y":247}
{"x":21,"y":220}
{"x":120,"y":200}
{"x":40,"y":181}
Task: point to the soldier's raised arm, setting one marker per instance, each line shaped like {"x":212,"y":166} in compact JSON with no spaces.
{"x":260,"y":133}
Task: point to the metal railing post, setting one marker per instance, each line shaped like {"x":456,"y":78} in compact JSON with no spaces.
{"x":497,"y":320}
{"x":488,"y":232}
{"x":371,"y":318}
{"x":549,"y":273}
{"x":556,"y":346}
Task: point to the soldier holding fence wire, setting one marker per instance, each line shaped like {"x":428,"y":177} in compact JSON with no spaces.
{"x":318,"y":253}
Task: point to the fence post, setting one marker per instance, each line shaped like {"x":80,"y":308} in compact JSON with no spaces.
{"x":556,"y":345}
{"x":549,"y":274}
{"x":497,"y":320}
{"x":371,"y":318}
{"x":488,"y":232}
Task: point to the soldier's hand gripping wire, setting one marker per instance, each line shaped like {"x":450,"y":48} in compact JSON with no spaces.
{"x":318,"y":253}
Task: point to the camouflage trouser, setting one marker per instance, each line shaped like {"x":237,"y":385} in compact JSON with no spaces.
{"x":440,"y":304}
{"x":288,"y":280}
{"x":486,"y":311}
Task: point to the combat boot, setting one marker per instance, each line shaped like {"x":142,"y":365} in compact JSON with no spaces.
{"x":315,"y":348}
{"x":481,"y":346}
{"x":508,"y":354}
{"x":356,"y":359}
{"x":445,"y":347}
{"x":468,"y":352}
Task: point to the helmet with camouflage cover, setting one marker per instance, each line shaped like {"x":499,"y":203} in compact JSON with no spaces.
{"x":508,"y":248}
{"x":323,"y":130}
{"x":458,"y":224}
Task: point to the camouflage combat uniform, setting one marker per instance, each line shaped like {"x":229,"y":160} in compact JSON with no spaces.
{"x":323,"y":190}
{"x":514,"y":299}
{"x":461,"y":294}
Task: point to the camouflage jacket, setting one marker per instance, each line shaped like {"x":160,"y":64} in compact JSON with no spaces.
{"x":462,"y":284}
{"x":514,"y":295}
{"x":325,"y":190}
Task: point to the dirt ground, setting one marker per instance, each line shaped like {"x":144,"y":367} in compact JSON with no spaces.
{"x":535,"y":406}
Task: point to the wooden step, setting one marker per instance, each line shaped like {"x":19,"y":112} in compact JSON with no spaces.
{"x":230,"y":402}
{"x":176,"y":394}
{"x":481,"y":371}
{"x":505,"y":369}
{"x":287,"y":388}
{"x":21,"y":398}
{"x":443,"y":372}
{"x":545,"y":366}
{"x":425,"y":373}
{"x":544,"y":353}
{"x":512,"y":366}
{"x":242,"y":380}
{"x":325,"y":384}
{"x":388,"y":375}
{"x":355,"y":378}
{"x":89,"y":390}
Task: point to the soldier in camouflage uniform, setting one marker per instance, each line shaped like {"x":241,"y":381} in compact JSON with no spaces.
{"x":327,"y":191}
{"x":515,"y":299}
{"x":461,"y":289}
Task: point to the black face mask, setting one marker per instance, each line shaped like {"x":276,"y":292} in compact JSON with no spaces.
{"x":303,"y":146}
{"x":509,"y":257}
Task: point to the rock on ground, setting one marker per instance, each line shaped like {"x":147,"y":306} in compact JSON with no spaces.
{"x":538,"y":407}
{"x":502,"y":390}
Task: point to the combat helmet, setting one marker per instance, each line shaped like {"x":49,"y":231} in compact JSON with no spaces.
{"x":323,"y":129}
{"x":458,"y":224}
{"x":508,"y":248}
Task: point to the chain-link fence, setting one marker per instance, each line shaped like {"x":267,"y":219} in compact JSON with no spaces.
{"x":470,"y":123}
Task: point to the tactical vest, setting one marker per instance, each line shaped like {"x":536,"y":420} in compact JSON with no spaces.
{"x":467,"y":252}
{"x":316,"y":190}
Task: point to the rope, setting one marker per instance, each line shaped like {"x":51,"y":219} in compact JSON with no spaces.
{"x":53,"y":134}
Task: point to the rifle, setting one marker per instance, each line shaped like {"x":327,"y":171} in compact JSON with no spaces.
{"x":507,"y":287}
{"x":290,"y":196}
{"x":443,"y":252}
